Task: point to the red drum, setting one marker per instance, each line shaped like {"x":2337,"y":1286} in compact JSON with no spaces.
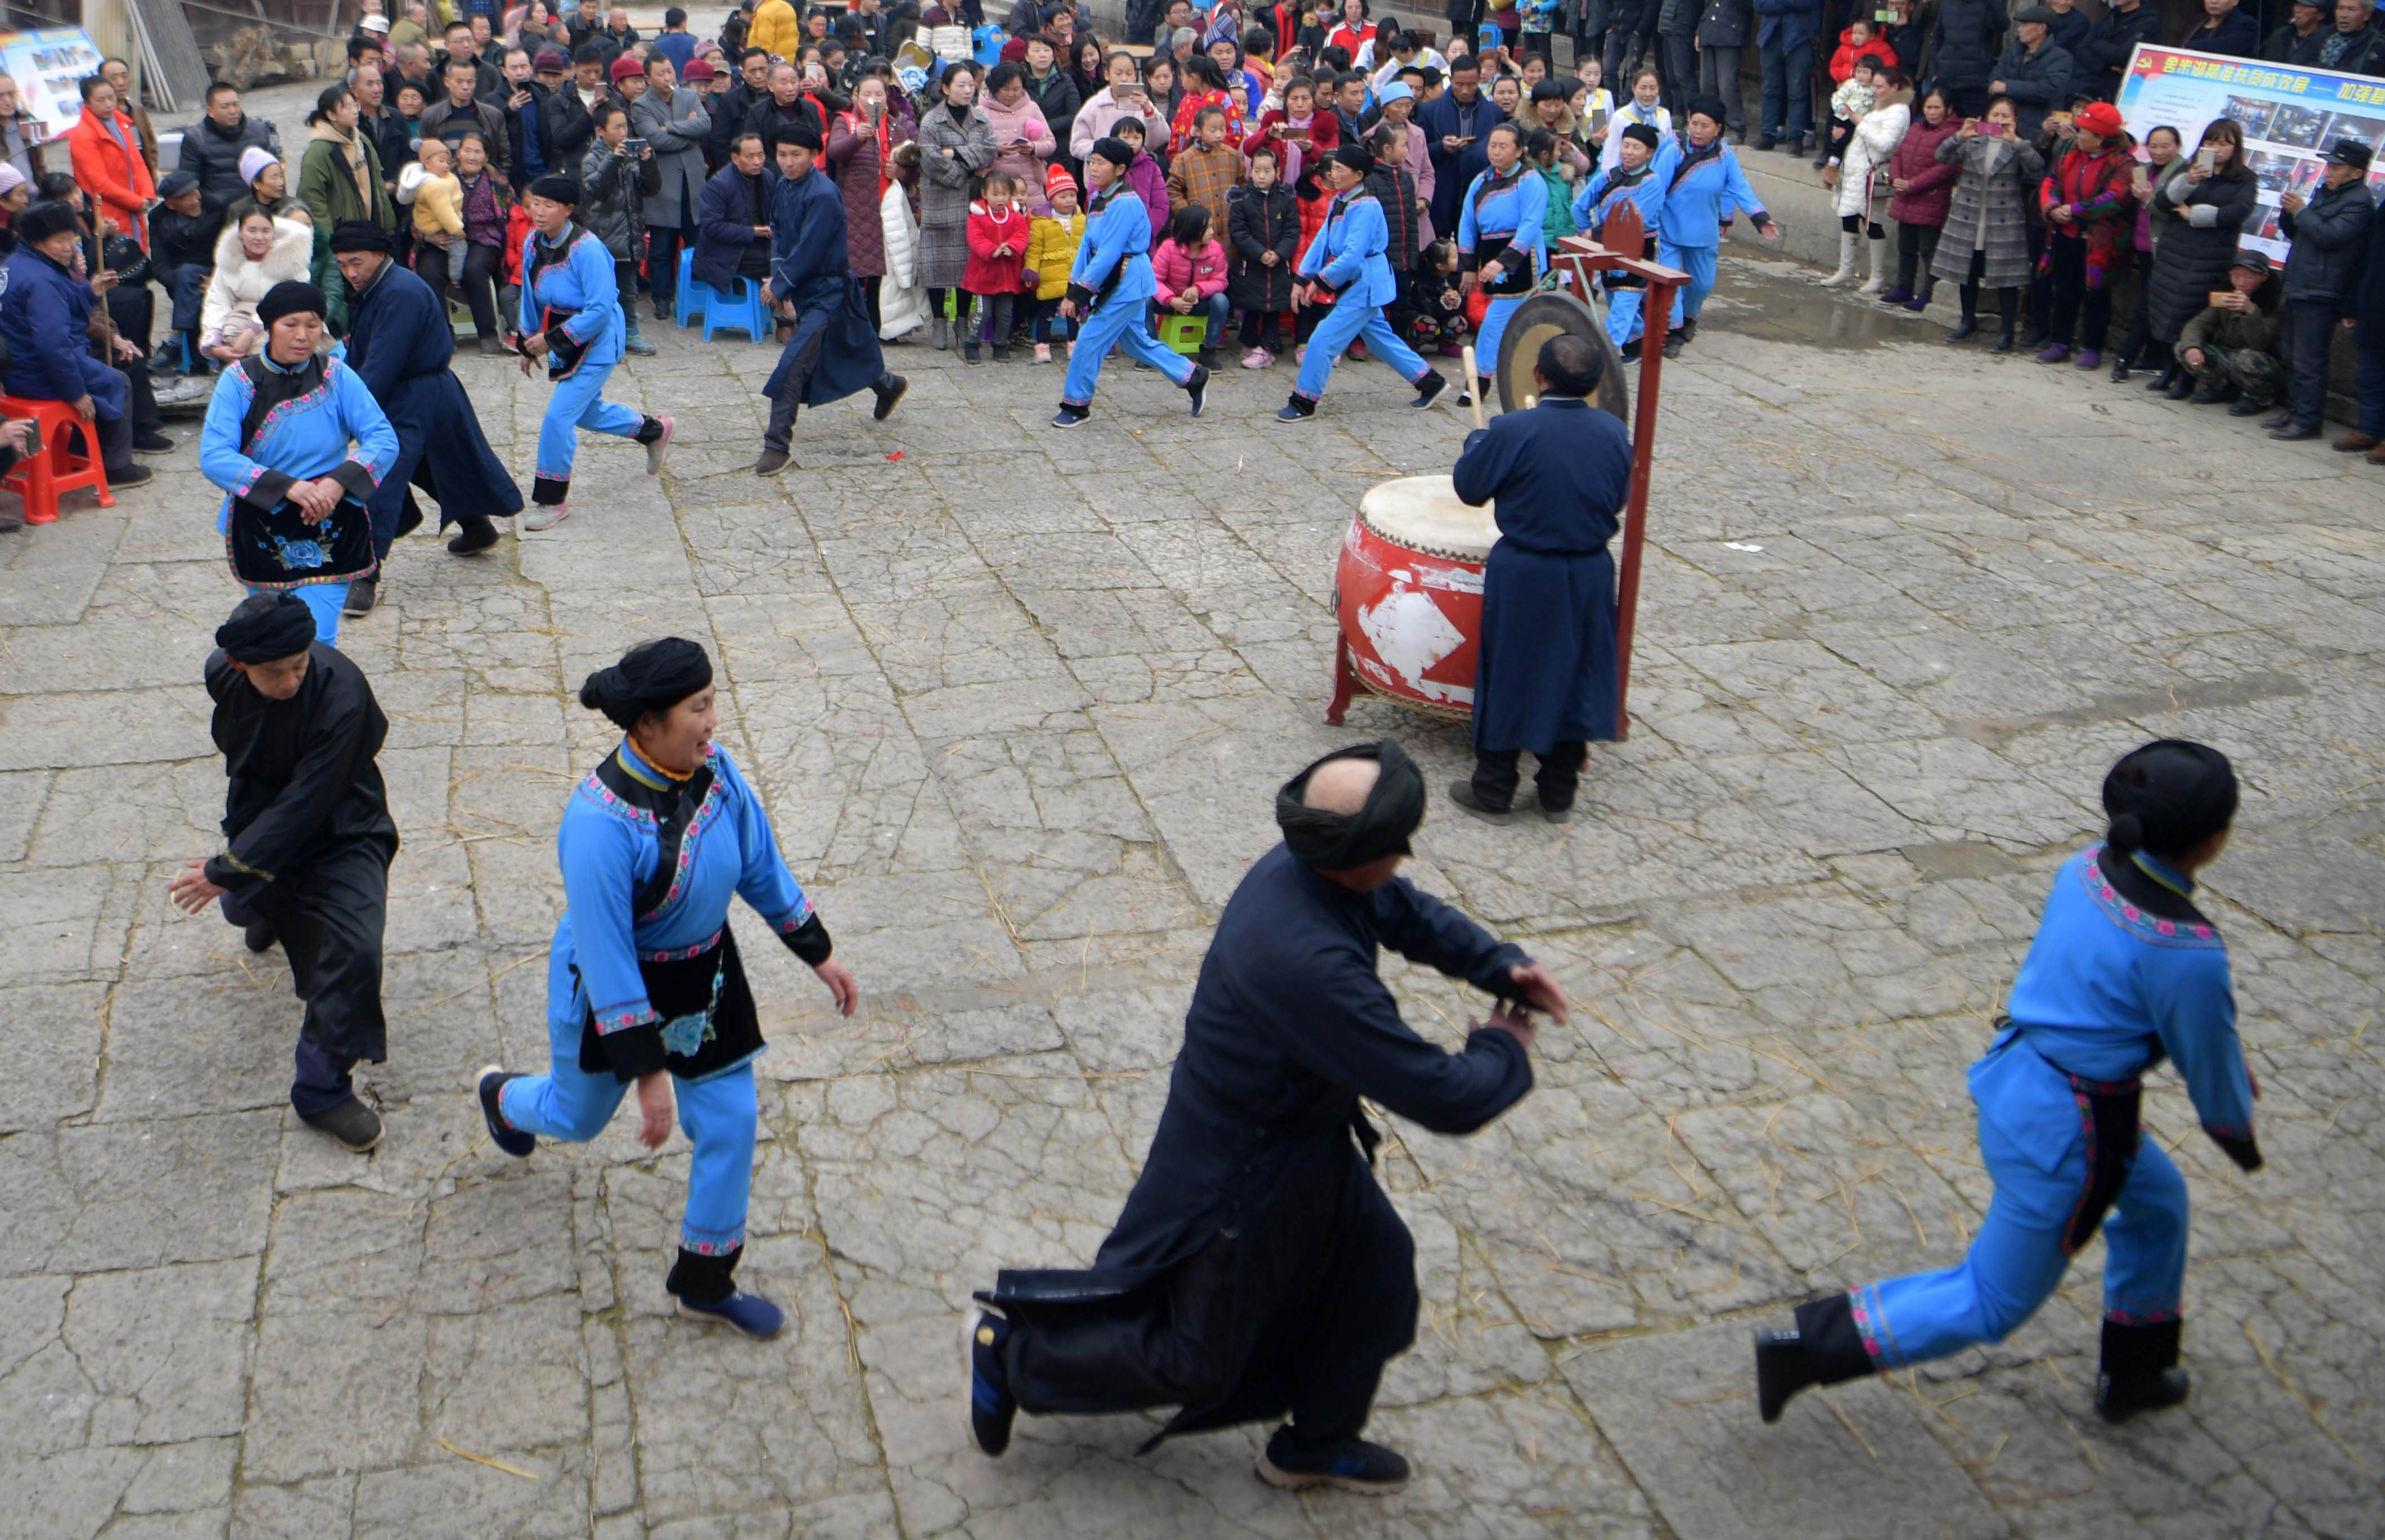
{"x":1408,"y":595}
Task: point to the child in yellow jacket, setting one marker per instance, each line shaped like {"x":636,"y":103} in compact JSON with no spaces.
{"x":438,"y":197}
{"x":1051,"y":253}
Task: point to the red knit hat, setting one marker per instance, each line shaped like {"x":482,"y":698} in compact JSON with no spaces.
{"x":625,"y":67}
{"x":2101,"y":119}
{"x":1057,"y":178}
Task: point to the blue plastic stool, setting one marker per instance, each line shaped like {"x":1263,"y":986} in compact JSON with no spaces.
{"x":692,"y":294}
{"x":741,"y":311}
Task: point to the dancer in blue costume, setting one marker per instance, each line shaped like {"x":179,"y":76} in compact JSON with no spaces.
{"x":2125,"y":972}
{"x":1706,"y":189}
{"x":1502,"y":242}
{"x":1642,"y":171}
{"x":572,"y":316}
{"x":1347,"y":261}
{"x":1110,"y":286}
{"x":644,"y":986}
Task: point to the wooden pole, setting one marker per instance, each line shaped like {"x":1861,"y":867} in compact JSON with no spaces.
{"x":1656,"y":315}
{"x":1474,"y":388}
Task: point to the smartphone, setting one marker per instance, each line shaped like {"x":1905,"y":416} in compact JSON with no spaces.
{"x":2218,"y":296}
{"x":32,"y":437}
{"x":2207,"y":159}
{"x":633,"y":147}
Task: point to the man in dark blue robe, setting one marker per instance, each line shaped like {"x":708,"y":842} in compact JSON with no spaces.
{"x":1544,"y":678}
{"x":1258,"y":1268}
{"x":400,"y":345}
{"x":835,"y":350}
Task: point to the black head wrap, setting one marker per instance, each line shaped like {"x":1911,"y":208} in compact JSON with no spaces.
{"x":557,"y":188}
{"x":288,"y":298}
{"x":1709,"y":108}
{"x":1643,"y":133}
{"x":801,"y":133}
{"x":1356,"y":156}
{"x":51,"y":216}
{"x":1336,"y":842}
{"x":1115,"y":150}
{"x":2168,"y":797}
{"x":652,"y":676}
{"x":361,"y":235}
{"x":267,"y":626}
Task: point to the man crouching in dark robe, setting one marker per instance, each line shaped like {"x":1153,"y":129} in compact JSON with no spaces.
{"x":1257,"y":1268}
{"x":309,"y":841}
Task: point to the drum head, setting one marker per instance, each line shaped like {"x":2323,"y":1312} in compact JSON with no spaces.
{"x":1422,"y":513}
{"x":1535,"y":322}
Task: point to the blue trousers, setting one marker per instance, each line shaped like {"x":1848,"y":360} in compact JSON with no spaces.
{"x":2368,"y":378}
{"x":579,"y":402}
{"x":1114,"y":324}
{"x":189,"y":287}
{"x":1347,"y":320}
{"x":718,"y":1114}
{"x":1623,"y":314}
{"x":1788,"y":89}
{"x":1494,"y":328}
{"x":2018,"y":1256}
{"x":1699,"y":263}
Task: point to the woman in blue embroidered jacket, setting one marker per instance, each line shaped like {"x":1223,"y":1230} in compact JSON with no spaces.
{"x":1501,"y":240}
{"x":644,"y":977}
{"x":1642,"y":169}
{"x":1347,"y":261}
{"x":277,"y":440}
{"x":2124,"y":971}
{"x":572,"y":316}
{"x":1706,"y":189}
{"x":1108,"y":286}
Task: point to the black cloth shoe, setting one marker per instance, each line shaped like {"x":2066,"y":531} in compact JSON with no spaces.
{"x":1630,"y":350}
{"x":772,"y":463}
{"x":662,"y":309}
{"x":1197,"y":387}
{"x":1782,"y":1368}
{"x":131,"y":475}
{"x":2245,"y":405}
{"x":354,"y":1125}
{"x":992,"y":1407}
{"x":1824,"y":1349}
{"x":2293,"y":432}
{"x":362,"y":594}
{"x":474,"y":532}
{"x":889,"y":391}
{"x":1428,"y":389}
{"x":152,"y":444}
{"x":2203,"y":398}
{"x":2166,"y":379}
{"x":2004,"y":342}
{"x":2181,"y":388}
{"x":259,"y":935}
{"x":1963,"y":328}
{"x":968,"y":351}
{"x":2140,"y":1369}
{"x":1351,"y":1464}
{"x":2278,"y":419}
{"x":1466,"y":796}
{"x":1674,"y":341}
{"x":2120,"y":372}
{"x":491,"y":1083}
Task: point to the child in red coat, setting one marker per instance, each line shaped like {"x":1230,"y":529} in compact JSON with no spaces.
{"x":998,"y":230}
{"x":1189,"y":268}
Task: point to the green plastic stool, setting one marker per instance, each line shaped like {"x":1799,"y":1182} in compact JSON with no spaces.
{"x":1183,"y":333}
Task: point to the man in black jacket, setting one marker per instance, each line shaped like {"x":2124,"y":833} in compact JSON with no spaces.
{"x":380,"y":122}
{"x":2114,"y":36}
{"x":2330,"y":231}
{"x":732,"y":106}
{"x":308,"y":840}
{"x":2227,"y":28}
{"x":183,"y":230}
{"x":784,"y":107}
{"x":213,"y":146}
{"x":2298,"y":40}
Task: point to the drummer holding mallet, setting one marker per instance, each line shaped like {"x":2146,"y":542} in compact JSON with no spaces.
{"x":1558,"y":475}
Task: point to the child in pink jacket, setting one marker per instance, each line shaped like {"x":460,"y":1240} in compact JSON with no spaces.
{"x":1189,"y":268}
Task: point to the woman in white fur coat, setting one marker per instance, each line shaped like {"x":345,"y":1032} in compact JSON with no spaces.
{"x":1877,"y":135}
{"x":250,"y":259}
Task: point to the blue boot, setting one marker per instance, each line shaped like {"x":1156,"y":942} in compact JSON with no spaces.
{"x":749,"y":1313}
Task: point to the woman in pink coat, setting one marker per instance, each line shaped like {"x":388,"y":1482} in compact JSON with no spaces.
{"x":1020,"y":134}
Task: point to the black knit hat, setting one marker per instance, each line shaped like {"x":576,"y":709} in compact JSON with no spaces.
{"x":44,"y":219}
{"x":288,"y":298}
{"x":557,"y":188}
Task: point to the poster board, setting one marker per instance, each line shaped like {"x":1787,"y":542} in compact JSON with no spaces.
{"x":45,"y":64}
{"x":2290,"y":117}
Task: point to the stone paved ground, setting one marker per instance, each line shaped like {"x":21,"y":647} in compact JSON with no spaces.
{"x":1018,"y":700}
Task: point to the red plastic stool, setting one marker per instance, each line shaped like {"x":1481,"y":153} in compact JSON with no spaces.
{"x":41,"y":478}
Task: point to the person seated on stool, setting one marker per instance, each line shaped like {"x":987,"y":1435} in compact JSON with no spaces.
{"x":45,"y":318}
{"x":1545,"y":676}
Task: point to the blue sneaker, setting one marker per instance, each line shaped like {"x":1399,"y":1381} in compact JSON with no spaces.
{"x":1352,"y":1464}
{"x":1069,"y":416}
{"x":990,"y":1405}
{"x":749,"y":1313}
{"x":1196,"y":386}
{"x":513,"y":1141}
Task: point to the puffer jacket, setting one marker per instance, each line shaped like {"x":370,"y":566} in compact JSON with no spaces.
{"x":238,"y":285}
{"x":1175,"y":269}
{"x":1963,"y":51}
{"x":1258,"y":222}
{"x":2200,"y":225}
{"x":1877,"y":135}
{"x":1929,"y":184}
{"x":1052,"y":244}
{"x":613,"y":189}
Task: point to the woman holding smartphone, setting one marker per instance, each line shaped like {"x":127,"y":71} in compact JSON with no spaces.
{"x":1986,"y":239}
{"x":2200,"y":211}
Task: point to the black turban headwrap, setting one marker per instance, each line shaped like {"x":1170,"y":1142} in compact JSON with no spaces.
{"x":1356,"y":156}
{"x":558,"y":189}
{"x":2168,"y":797}
{"x":267,"y":626}
{"x":652,"y":676}
{"x":1708,"y":107}
{"x":1110,"y":147}
{"x":288,"y":298}
{"x":1641,"y":133}
{"x":51,"y":216}
{"x":801,"y":133}
{"x":1336,"y":842}
{"x":361,"y":235}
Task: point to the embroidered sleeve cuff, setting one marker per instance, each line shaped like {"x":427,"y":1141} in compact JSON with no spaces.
{"x":634,"y":1051}
{"x":357,"y":479}
{"x":559,"y":338}
{"x":808,"y":941}
{"x":638,"y":1013}
{"x":228,"y":871}
{"x":269,"y":490}
{"x":2238,"y":1148}
{"x":1080,"y":295}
